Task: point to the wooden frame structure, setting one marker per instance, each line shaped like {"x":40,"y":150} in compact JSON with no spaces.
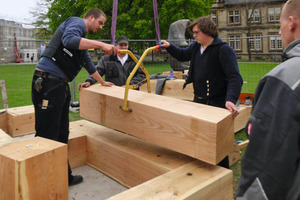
{"x":153,"y":167}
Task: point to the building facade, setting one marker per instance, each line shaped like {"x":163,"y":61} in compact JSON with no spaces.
{"x":15,"y":36}
{"x":250,"y":27}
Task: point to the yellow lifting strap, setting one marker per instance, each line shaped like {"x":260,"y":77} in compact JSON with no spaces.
{"x":138,"y":65}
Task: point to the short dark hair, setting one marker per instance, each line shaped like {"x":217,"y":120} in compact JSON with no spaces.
{"x":95,"y":12}
{"x":206,"y":25}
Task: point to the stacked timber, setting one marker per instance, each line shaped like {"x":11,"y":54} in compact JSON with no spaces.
{"x":150,"y":171}
{"x":124,"y":158}
{"x":200,"y":131}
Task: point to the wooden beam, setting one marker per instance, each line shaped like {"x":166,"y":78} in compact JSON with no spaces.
{"x":195,"y":180}
{"x":177,"y":74}
{"x":35,"y":168}
{"x":172,"y":88}
{"x":242,"y":118}
{"x":21,"y":120}
{"x":3,"y":120}
{"x":4,"y":138}
{"x":126,"y":159}
{"x":76,"y":147}
{"x":235,"y":155}
{"x":200,"y":131}
{"x":243,"y":145}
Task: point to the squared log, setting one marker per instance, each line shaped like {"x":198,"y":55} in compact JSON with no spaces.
{"x":193,"y":181}
{"x":21,"y":120}
{"x":200,"y":131}
{"x":3,"y":120}
{"x":126,"y":159}
{"x":172,"y":88}
{"x":5,"y":138}
{"x":35,"y":168}
{"x":177,"y":74}
{"x":242,"y":118}
{"x":76,"y":147}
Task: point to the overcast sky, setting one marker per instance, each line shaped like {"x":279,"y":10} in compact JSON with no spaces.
{"x":17,"y":10}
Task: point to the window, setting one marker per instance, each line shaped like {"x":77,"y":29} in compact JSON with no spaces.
{"x":214,"y":17}
{"x":274,"y":14}
{"x":255,"y":42}
{"x":253,"y":16}
{"x":275,"y":42}
{"x":235,"y":42}
{"x":234,"y":17}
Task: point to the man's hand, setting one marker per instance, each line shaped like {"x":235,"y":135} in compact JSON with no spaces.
{"x":110,"y":49}
{"x":164,"y":44}
{"x":106,"y":83}
{"x":83,"y":85}
{"x":232,"y":108}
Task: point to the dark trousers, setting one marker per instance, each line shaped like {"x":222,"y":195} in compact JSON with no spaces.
{"x":217,"y":103}
{"x":51,"y":105}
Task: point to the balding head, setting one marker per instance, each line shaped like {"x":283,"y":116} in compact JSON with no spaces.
{"x":290,"y":22}
{"x":292,"y":7}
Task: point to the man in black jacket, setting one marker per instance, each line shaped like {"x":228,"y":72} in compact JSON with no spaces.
{"x":271,"y":163}
{"x":213,"y":71}
{"x":116,"y":68}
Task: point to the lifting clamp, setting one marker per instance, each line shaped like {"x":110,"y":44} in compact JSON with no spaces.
{"x":138,"y":65}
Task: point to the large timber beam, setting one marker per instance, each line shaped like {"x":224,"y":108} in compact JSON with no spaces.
{"x":5,"y":138}
{"x":195,"y":180}
{"x":174,"y":89}
{"x":126,"y":159}
{"x":200,"y":131}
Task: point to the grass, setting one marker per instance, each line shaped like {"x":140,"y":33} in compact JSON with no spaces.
{"x":252,"y":72}
{"x":18,"y":79}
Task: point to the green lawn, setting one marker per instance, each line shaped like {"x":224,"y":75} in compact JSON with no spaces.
{"x":18,"y":79}
{"x":252,"y":72}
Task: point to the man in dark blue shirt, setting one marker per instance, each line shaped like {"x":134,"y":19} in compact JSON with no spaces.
{"x":61,"y":61}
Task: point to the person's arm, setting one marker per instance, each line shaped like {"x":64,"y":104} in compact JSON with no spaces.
{"x":93,"y":44}
{"x":97,"y":76}
{"x":179,"y":53}
{"x":100,"y":67}
{"x":230,"y":67}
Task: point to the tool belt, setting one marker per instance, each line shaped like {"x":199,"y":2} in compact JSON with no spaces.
{"x":46,"y":75}
{"x":43,"y":75}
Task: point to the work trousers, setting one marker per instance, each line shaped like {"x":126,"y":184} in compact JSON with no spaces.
{"x":51,"y":105}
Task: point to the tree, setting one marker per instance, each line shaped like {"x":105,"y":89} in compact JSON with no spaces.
{"x":40,"y":19}
{"x":135,"y":17}
{"x":252,"y":17}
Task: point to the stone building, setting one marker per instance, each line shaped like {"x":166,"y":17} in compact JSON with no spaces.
{"x":12,"y":33}
{"x":250,"y":27}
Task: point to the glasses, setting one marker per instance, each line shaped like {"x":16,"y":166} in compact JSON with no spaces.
{"x":196,"y":32}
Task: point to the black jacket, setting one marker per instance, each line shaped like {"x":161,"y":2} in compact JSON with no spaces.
{"x":114,"y":72}
{"x":271,"y":163}
{"x":214,"y":73}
